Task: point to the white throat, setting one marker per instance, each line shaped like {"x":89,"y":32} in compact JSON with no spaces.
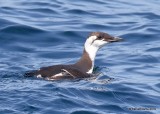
{"x":92,"y":51}
{"x":92,"y":54}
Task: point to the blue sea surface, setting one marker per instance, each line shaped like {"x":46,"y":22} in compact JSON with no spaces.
{"x":38,"y":33}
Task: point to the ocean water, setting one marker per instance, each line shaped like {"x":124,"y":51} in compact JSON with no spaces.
{"x":38,"y":33}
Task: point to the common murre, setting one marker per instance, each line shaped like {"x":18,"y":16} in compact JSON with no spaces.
{"x":81,"y":69}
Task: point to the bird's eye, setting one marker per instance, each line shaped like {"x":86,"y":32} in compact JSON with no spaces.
{"x":99,"y":37}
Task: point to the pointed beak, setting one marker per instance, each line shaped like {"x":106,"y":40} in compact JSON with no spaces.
{"x":116,"y":39}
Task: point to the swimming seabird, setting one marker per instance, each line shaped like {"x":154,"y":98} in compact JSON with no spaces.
{"x":83,"y":68}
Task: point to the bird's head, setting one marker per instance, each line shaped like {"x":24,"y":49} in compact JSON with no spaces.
{"x":96,"y":40}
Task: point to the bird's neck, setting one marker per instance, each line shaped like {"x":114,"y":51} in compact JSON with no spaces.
{"x":86,"y":62}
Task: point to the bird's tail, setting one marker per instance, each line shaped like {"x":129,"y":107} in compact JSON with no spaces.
{"x":30,"y":73}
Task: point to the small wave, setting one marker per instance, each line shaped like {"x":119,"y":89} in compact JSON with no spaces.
{"x":43,"y":10}
{"x":55,"y":4}
{"x":78,"y":12}
{"x":21,"y":29}
{"x":4,"y":23}
{"x":147,"y":15}
{"x":144,"y":58}
{"x":153,"y":49}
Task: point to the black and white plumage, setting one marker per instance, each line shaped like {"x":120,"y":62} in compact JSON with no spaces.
{"x":81,"y":69}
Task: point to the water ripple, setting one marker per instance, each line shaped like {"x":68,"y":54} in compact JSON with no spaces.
{"x":21,"y":29}
{"x":35,"y":33}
